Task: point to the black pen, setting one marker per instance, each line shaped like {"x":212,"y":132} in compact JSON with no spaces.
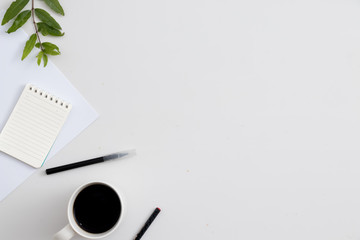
{"x":148,"y":223}
{"x":86,"y":162}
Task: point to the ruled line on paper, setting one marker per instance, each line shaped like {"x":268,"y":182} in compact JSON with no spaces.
{"x":33,"y":126}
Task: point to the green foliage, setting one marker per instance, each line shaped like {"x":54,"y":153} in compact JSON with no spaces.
{"x":39,"y":57}
{"x":49,"y":48}
{"x":13,"y":10}
{"x":45,"y":58}
{"x":46,"y":18}
{"x":19,"y":21}
{"x":29,"y":46}
{"x":46,"y":25}
{"x":55,"y":5}
{"x":42,"y":56}
{"x":45,"y":30}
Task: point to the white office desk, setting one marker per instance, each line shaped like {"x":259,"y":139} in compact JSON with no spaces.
{"x":245,"y":116}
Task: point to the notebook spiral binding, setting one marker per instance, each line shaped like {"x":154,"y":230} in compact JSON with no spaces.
{"x":48,"y":96}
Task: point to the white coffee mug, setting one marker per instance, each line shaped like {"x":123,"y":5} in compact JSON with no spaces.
{"x":75,"y":227}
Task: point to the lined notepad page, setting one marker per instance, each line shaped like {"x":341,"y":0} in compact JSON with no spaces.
{"x":33,"y":125}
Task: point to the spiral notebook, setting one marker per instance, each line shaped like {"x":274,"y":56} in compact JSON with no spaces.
{"x":33,"y":125}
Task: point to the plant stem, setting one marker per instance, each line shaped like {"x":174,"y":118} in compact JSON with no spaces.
{"x":35,"y":26}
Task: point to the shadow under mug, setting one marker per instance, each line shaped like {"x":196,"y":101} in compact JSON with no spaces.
{"x":95,"y":210}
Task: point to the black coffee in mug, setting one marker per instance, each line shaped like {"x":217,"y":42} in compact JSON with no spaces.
{"x":97,"y":208}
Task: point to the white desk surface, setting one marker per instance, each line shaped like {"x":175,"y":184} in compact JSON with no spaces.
{"x":245,"y":116}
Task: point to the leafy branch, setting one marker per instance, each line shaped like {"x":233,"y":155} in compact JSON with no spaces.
{"x":46,"y":26}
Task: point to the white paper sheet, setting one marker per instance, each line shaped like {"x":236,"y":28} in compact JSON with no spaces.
{"x":14,"y":75}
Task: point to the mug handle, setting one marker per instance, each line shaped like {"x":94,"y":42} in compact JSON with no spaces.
{"x":64,"y":234}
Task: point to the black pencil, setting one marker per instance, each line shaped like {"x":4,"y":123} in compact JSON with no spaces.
{"x":85,"y":163}
{"x":148,"y":223}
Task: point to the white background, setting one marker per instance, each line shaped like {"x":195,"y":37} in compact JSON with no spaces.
{"x":245,"y":116}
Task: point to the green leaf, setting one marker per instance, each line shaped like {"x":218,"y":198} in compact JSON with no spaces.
{"x":51,"y":49}
{"x":46,"y":18}
{"x":51,"y":52}
{"x":45,"y":58}
{"x":13,"y":10}
{"x":19,"y":21}
{"x":50,"y":46}
{"x":29,"y":46}
{"x":55,"y":5}
{"x":47,"y":30}
{"x":39,"y":57}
